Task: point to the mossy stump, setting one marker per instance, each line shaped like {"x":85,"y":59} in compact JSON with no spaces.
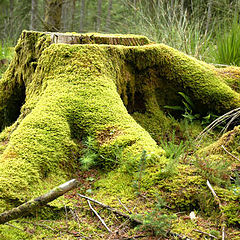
{"x":60,"y":88}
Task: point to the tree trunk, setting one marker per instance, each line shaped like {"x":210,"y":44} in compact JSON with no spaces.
{"x":73,"y":10}
{"x":53,"y":13}
{"x":209,"y":15}
{"x":65,"y":15}
{"x":82,"y":15}
{"x":99,"y":15}
{"x":33,"y":21}
{"x":108,"y":20}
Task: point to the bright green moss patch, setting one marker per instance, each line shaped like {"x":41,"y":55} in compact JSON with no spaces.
{"x":72,"y":93}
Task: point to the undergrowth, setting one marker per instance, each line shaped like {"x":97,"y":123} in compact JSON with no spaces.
{"x":157,"y":221}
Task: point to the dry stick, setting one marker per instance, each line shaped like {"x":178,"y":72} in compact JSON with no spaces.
{"x":128,"y":216}
{"x":124,"y":206}
{"x":99,"y":217}
{"x":10,"y":225}
{"x":208,"y":234}
{"x":230,"y":153}
{"x":40,"y":225}
{"x":29,"y":206}
{"x":110,"y":208}
{"x":220,"y":207}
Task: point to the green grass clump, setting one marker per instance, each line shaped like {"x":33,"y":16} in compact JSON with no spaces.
{"x":228,"y":44}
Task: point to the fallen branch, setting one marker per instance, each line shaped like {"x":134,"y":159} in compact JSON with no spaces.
{"x":220,"y":208}
{"x":208,"y":234}
{"x":99,"y":217}
{"x":124,"y":206}
{"x":40,"y":225}
{"x":134,"y":220}
{"x":29,"y":206}
{"x":10,"y":225}
{"x":111,"y":209}
{"x":230,"y":153}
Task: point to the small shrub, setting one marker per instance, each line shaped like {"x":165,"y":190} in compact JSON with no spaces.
{"x":156,"y":221}
{"x":173,"y":150}
{"x":216,"y":170}
{"x":190,"y":111}
{"x":142,"y":167}
{"x":90,"y":153}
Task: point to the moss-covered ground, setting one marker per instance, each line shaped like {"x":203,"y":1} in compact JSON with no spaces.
{"x":93,"y":107}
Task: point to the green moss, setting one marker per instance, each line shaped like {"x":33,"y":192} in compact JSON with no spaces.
{"x":179,"y":72}
{"x":65,"y":97}
{"x":72,"y":91}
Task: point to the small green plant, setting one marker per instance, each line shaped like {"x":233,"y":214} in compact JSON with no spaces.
{"x":173,"y":151}
{"x":6,"y":50}
{"x":90,"y":153}
{"x":6,"y":53}
{"x":215,"y":170}
{"x":156,"y":221}
{"x":236,"y":185}
{"x":142,"y":167}
{"x":190,"y":111}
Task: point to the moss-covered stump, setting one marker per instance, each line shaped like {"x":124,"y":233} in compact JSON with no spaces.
{"x":62,"y":88}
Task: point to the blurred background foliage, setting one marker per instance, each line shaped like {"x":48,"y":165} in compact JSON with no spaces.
{"x":206,"y":29}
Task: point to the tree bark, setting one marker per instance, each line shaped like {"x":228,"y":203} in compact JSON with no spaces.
{"x":209,"y":15}
{"x":73,"y":10}
{"x":108,"y":20}
{"x":99,"y":15}
{"x":82,"y":15}
{"x":53,"y":13}
{"x":29,"y":206}
{"x":33,"y":21}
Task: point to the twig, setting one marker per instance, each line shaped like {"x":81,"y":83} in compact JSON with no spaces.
{"x":220,"y":208}
{"x":10,"y":225}
{"x":214,"y":194}
{"x":134,"y":237}
{"x":223,"y":232}
{"x":40,"y":225}
{"x":132,"y":219}
{"x":78,"y":234}
{"x":124,"y":206}
{"x":99,"y":217}
{"x":230,"y":153}
{"x":66,"y":214}
{"x":111,"y":209}
{"x":208,"y":234}
{"x":75,"y":216}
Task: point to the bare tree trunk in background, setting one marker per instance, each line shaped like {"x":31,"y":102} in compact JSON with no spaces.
{"x":68,"y":15}
{"x":65,"y":15}
{"x":11,"y":2}
{"x":33,"y":21}
{"x":99,"y":14}
{"x":108,"y":20}
{"x":73,"y":10}
{"x":53,"y":13}
{"x":82,"y":15}
{"x":135,"y":3}
{"x":182,"y":7}
{"x":209,"y":15}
